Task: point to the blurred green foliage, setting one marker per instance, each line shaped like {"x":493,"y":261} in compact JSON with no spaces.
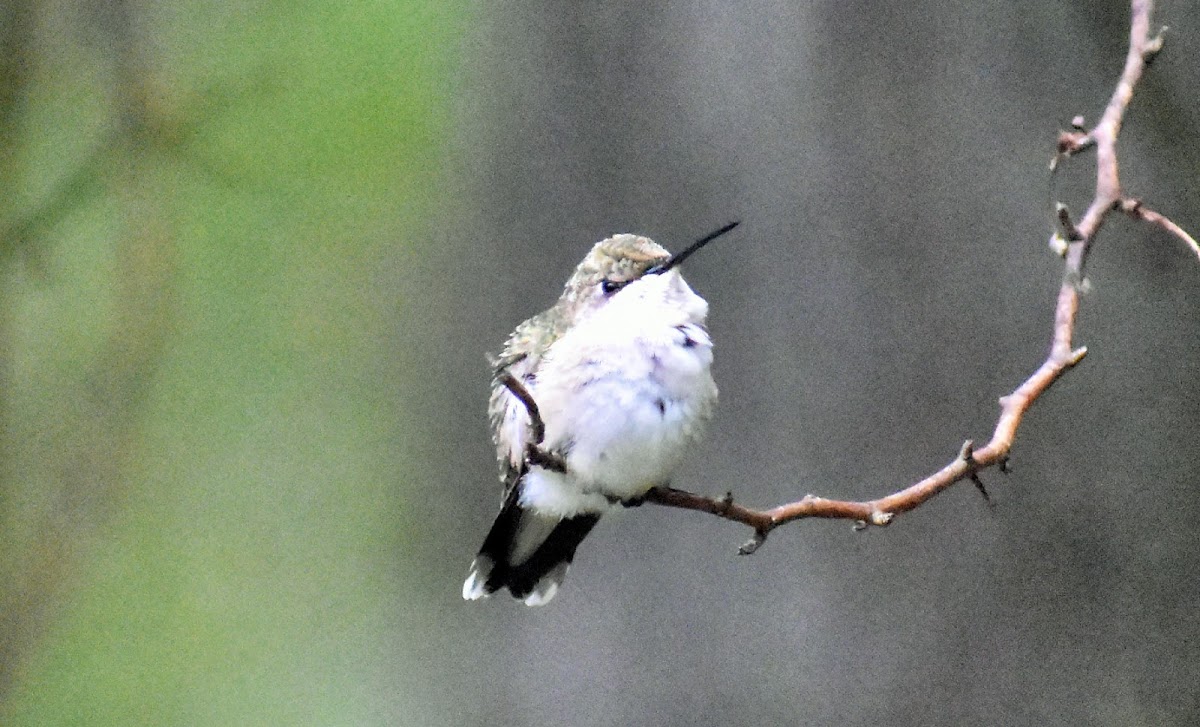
{"x":199,"y":511}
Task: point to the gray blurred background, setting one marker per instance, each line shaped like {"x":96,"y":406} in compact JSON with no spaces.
{"x":890,"y":280}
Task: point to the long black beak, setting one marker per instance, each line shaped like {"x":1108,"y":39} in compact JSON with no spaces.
{"x":679,"y":257}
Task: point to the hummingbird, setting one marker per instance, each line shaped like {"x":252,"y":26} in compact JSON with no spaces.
{"x":619,"y":369}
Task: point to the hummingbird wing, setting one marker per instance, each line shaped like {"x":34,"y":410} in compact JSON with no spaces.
{"x":521,"y":357}
{"x":525,"y":551}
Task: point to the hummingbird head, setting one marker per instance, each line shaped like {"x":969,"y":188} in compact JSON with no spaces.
{"x":614,"y":263}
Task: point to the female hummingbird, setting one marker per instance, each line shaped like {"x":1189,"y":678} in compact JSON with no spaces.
{"x":619,"y":369}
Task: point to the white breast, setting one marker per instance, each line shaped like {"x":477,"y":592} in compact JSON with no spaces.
{"x":623,"y":394}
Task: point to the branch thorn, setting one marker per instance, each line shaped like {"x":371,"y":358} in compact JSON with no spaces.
{"x":978,"y":482}
{"x":1058,"y":245}
{"x":1068,"y":229}
{"x":1154,"y":46}
{"x":1071,"y":142}
{"x":753,"y":544}
{"x":726,"y":502}
{"x":967,"y":452}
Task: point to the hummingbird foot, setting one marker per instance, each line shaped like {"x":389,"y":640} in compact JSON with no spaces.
{"x":637,"y":500}
{"x":628,"y":501}
{"x":547,"y":460}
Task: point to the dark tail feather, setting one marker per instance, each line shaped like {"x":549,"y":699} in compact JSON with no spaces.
{"x":537,"y":579}
{"x":527,"y":552}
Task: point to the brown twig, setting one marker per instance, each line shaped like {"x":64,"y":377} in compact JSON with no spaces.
{"x":534,"y":454}
{"x":1138,"y":211}
{"x":505,"y":377}
{"x":1074,"y":242}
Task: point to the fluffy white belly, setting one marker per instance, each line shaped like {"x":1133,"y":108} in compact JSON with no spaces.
{"x":623,"y":414}
{"x":629,"y":435}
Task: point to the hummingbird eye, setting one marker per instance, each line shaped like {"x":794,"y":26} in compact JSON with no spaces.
{"x":611,"y":286}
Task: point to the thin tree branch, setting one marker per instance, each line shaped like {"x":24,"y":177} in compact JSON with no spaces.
{"x":1073,"y":241}
{"x":1138,"y":211}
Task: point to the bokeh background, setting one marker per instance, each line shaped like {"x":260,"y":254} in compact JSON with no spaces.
{"x":252,"y":255}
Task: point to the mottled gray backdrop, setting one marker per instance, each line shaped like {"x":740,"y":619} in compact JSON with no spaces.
{"x":890,"y":280}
